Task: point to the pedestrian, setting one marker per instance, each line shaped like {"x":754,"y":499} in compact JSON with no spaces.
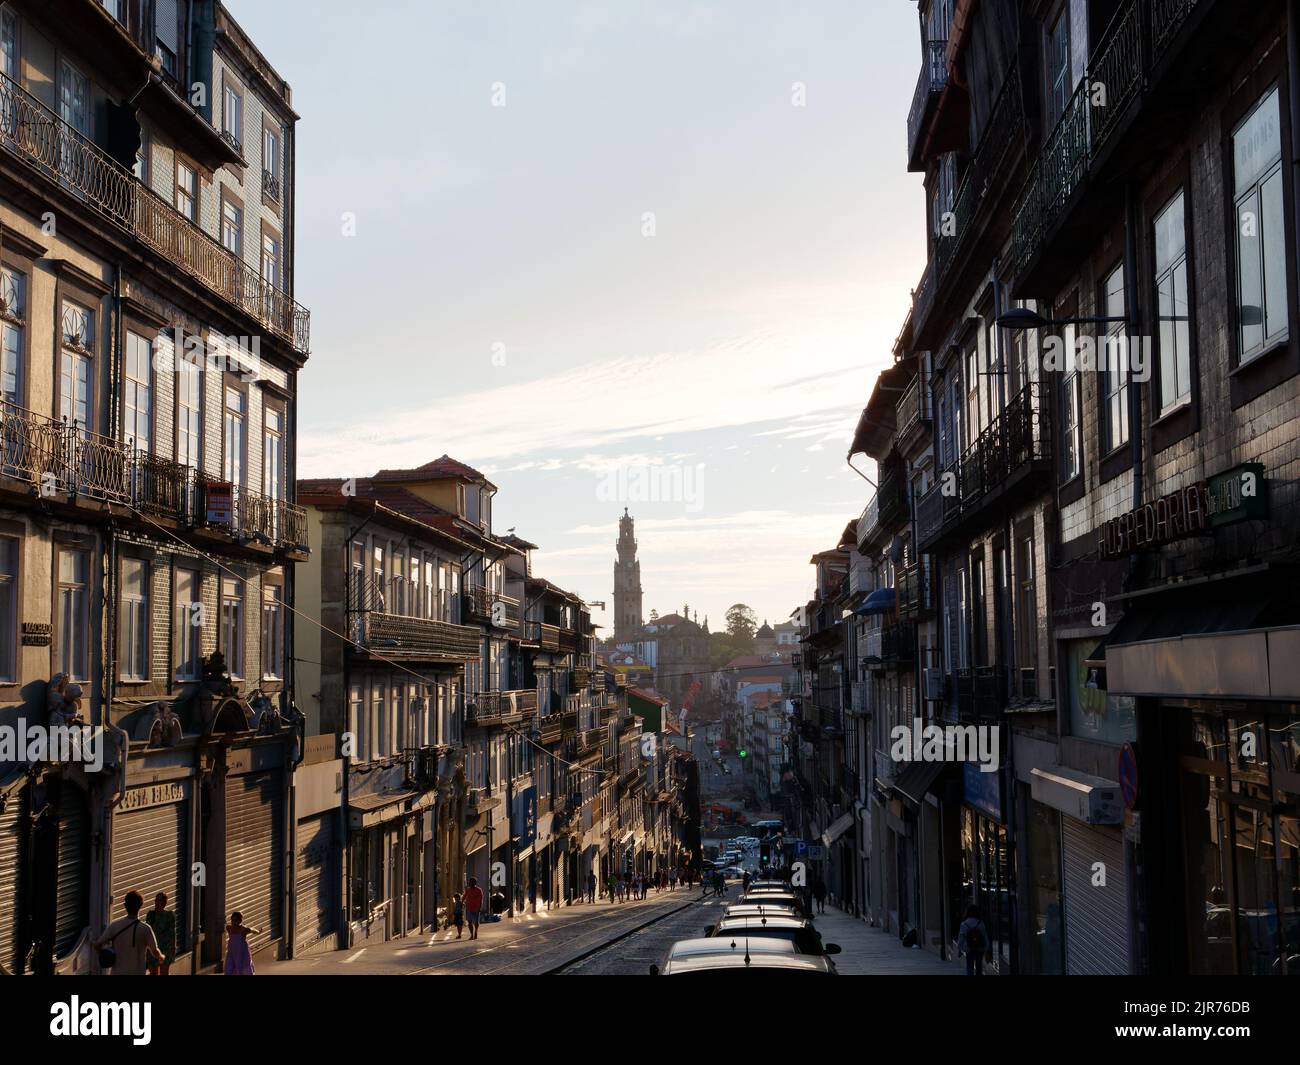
{"x":636,"y":887}
{"x":672,"y":879}
{"x":239,"y":959}
{"x":128,"y":943}
{"x":591,"y":887}
{"x":532,"y":894}
{"x":163,"y":923}
{"x":973,"y":941}
{"x":618,"y":886}
{"x":458,"y":913}
{"x":745,"y":881}
{"x":473,"y":906}
{"x":819,"y":893}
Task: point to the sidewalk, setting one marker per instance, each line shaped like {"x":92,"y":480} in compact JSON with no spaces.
{"x":530,"y":943}
{"x":871,"y":952}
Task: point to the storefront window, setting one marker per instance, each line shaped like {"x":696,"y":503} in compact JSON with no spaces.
{"x":1094,"y":714}
{"x":1240,"y":799}
{"x":987,"y":882}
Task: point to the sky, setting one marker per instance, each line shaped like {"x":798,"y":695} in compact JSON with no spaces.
{"x":613,"y":253}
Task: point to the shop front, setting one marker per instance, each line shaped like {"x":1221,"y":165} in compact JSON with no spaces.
{"x":988,"y":867}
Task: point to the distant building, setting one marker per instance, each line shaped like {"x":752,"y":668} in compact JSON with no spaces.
{"x":627,"y":583}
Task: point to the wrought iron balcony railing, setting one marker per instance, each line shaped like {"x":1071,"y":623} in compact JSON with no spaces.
{"x":271,"y":185}
{"x":483,"y":604}
{"x":914,"y":595}
{"x":75,"y":164}
{"x":898,"y":645}
{"x":1139,"y":36}
{"x":929,"y":87}
{"x":547,"y":637}
{"x":407,"y":638}
{"x":912,"y":412}
{"x":494,"y":705}
{"x":55,"y":457}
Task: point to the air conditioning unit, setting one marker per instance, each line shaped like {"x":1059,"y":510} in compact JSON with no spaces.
{"x":934,"y":685}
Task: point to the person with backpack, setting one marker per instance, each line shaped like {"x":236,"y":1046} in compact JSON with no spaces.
{"x":128,"y":944}
{"x":973,"y":941}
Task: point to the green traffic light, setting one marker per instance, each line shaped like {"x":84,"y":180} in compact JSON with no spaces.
{"x":744,"y":754}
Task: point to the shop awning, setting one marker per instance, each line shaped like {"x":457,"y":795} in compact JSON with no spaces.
{"x":838,"y":827}
{"x":1238,"y":639}
{"x":1093,"y":800}
{"x":881,"y":601}
{"x":378,"y":807}
{"x":917,"y":779}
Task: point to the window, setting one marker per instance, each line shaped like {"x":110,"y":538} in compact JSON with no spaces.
{"x":133,"y":637}
{"x":397,"y":603}
{"x":9,"y":547}
{"x":472,"y":500}
{"x":235,"y":425}
{"x":189,"y":624}
{"x":75,"y":405}
{"x":74,"y":98}
{"x":232,"y":116}
{"x":357,"y":723}
{"x":12,"y":308}
{"x":1071,"y":442}
{"x":1026,"y":605}
{"x":273,"y":454}
{"x":8,"y":44}
{"x":974,"y":420}
{"x":379,"y":577}
{"x":232,"y":625}
{"x":167,"y":34}
{"x":115,"y":8}
{"x":72,"y":621}
{"x":1115,"y":357}
{"x":189,"y":413}
{"x":137,"y":424}
{"x":187,"y":191}
{"x":272,"y":631}
{"x":271,"y":162}
{"x":379,"y":719}
{"x":1059,"y":87}
{"x":232,"y":226}
{"x":271,"y":260}
{"x":1173,"y":310}
{"x":1261,"y":238}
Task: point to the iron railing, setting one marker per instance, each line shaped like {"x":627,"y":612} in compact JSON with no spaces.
{"x":56,"y":457}
{"x":1115,"y":73}
{"x":483,"y":604}
{"x":913,"y":409}
{"x":494,"y":705}
{"x":914,"y":595}
{"x":74,"y":163}
{"x":416,"y":638}
{"x":1167,"y":18}
{"x":929,"y":86}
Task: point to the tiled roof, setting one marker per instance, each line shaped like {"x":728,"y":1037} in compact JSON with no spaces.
{"x":648,"y":696}
{"x":441,"y":468}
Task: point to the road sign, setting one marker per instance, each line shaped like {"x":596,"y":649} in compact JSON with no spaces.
{"x":801,"y":848}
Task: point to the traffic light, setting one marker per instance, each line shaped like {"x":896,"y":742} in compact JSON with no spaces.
{"x":765,"y":853}
{"x":744,"y":754}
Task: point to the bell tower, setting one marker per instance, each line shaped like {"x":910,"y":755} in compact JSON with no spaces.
{"x":627,"y":583}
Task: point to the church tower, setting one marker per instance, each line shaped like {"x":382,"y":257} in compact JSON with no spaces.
{"x":627,"y":583}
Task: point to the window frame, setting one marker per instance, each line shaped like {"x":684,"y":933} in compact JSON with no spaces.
{"x":58,"y":644}
{"x":235,"y":665}
{"x":129,"y":658}
{"x":11,"y":645}
{"x":184,"y":624}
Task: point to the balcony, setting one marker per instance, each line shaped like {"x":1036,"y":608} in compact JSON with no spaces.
{"x":912,"y":413}
{"x":416,"y":639}
{"x":76,"y":166}
{"x":888,"y":507}
{"x":930,"y":84}
{"x":898,"y":646}
{"x":1006,"y":456}
{"x":271,"y":185}
{"x":484,"y":605}
{"x":982,"y":182}
{"x":56,"y":458}
{"x":570,"y":641}
{"x":486,"y":707}
{"x":249,"y":516}
{"x":1125,"y":65}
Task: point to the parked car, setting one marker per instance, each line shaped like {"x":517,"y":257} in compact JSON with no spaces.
{"x":720,"y":945}
{"x":798,"y":930}
{"x":752,"y":963}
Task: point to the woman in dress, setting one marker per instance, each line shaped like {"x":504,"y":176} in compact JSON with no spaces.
{"x":239,"y":959}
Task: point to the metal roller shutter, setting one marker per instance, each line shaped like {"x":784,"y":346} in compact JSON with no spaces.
{"x":315,"y":890}
{"x":255,"y":853}
{"x":73,"y":910}
{"x":1096,"y":918}
{"x":151,"y":854}
{"x":11,"y":850}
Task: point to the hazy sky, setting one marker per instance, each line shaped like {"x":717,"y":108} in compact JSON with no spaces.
{"x":650,"y":279}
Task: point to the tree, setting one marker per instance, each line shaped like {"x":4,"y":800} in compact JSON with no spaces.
{"x":742,"y":621}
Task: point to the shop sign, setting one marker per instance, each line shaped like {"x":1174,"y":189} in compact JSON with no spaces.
{"x":982,"y":790}
{"x":219,"y":503}
{"x":524,"y":817}
{"x":1236,"y":495}
{"x":152,"y":795}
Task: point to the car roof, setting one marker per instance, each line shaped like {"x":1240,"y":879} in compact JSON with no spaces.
{"x":725,"y":945}
{"x":756,"y":920}
{"x":791,"y":963}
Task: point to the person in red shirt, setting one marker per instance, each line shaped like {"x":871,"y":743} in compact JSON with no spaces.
{"x":473,"y":906}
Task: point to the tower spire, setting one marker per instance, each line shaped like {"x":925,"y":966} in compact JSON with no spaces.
{"x":627,"y":582}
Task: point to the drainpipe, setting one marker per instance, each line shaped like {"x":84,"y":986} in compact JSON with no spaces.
{"x":1132,"y":295}
{"x":1293,"y":79}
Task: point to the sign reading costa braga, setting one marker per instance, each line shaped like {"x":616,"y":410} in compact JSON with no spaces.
{"x":1236,"y":495}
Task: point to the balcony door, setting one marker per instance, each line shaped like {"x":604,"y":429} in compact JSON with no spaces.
{"x":76,"y":391}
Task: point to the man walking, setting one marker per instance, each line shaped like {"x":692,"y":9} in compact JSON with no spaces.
{"x":819,"y":893}
{"x":131,"y":939}
{"x":163,"y":923}
{"x":473,"y":906}
{"x":973,"y":941}
{"x":591,"y":887}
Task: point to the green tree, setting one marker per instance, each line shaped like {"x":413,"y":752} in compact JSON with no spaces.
{"x":741,"y":621}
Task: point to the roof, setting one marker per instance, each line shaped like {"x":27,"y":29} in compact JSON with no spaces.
{"x":548,"y":586}
{"x":721,"y":945}
{"x":771,"y":920}
{"x":878,"y":423}
{"x":744,"y":963}
{"x":440,"y":469}
{"x":765,"y":630}
{"x":396,"y":503}
{"x":667,"y":619}
{"x":762,"y":678}
{"x":648,"y":696}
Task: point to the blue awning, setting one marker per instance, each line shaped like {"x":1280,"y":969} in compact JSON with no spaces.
{"x":881,"y":601}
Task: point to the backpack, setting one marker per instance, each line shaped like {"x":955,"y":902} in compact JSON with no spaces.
{"x":975,"y":940}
